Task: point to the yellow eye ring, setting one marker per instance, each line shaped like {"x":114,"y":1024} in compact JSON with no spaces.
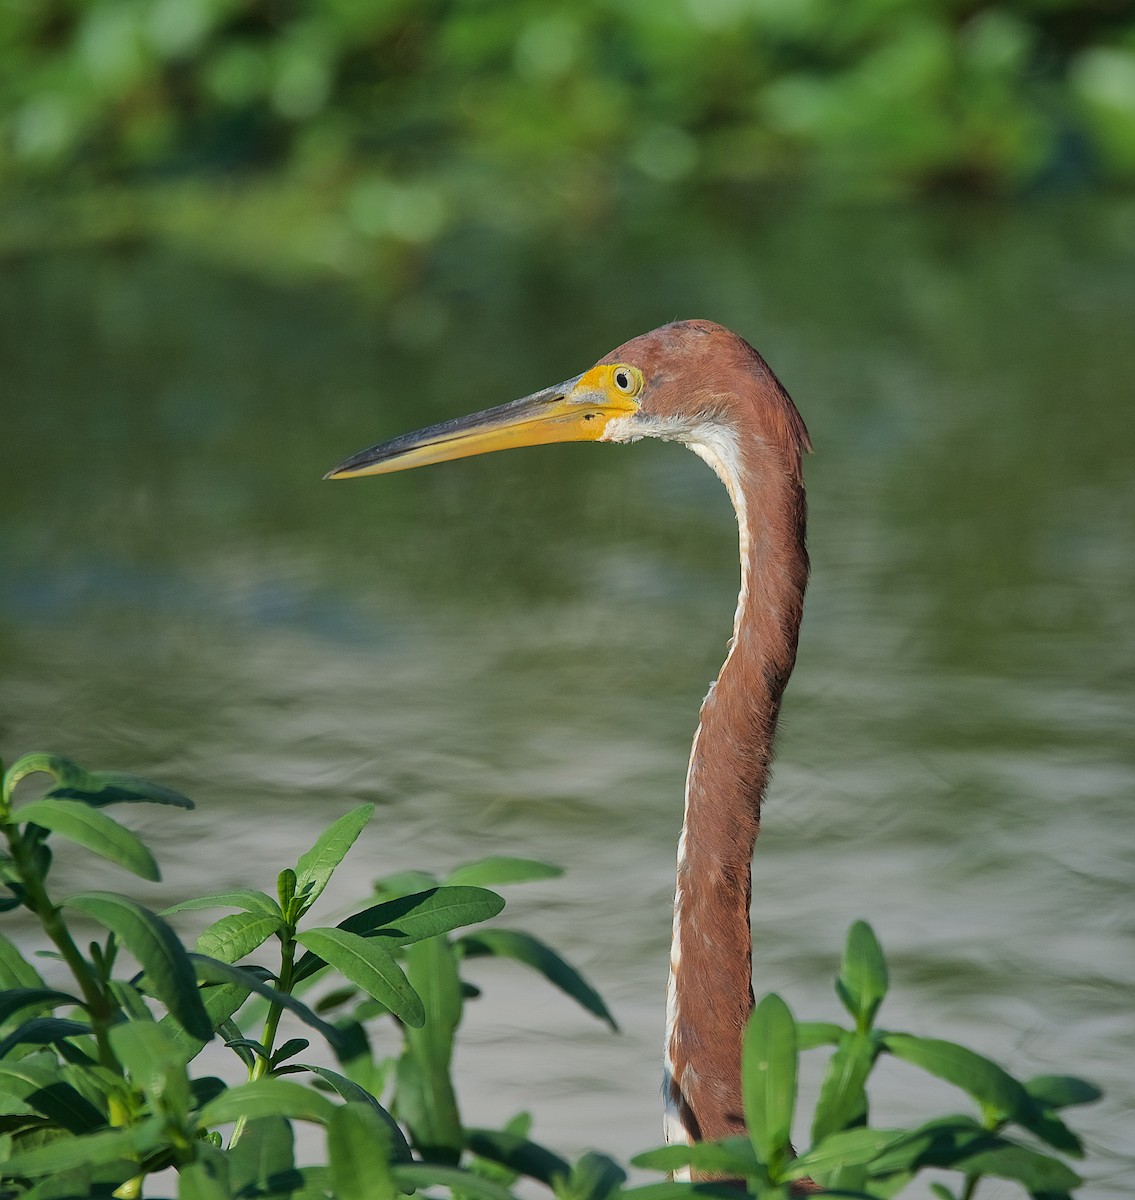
{"x":627,"y":380}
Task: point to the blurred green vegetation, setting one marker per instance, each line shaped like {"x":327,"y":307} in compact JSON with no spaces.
{"x":398,"y":121}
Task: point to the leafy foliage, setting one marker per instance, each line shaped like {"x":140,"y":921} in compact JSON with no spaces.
{"x":849,"y":1157}
{"x":432,"y":115}
{"x":95,"y":1101}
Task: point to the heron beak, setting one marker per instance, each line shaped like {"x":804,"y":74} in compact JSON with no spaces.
{"x":575,"y":411}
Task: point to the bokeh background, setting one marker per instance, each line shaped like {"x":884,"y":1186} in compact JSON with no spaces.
{"x":240,"y":240}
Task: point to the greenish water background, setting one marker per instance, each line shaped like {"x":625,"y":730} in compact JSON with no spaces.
{"x":507,"y":654}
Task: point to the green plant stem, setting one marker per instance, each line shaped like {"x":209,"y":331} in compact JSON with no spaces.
{"x":99,"y":1006}
{"x":275,"y":1011}
{"x":971,"y":1187}
{"x":261,"y":1066}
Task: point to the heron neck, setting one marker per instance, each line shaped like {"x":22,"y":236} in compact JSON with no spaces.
{"x":710,"y":991}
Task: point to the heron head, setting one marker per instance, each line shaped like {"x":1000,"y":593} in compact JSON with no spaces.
{"x":577,"y":410}
{"x":679,"y":382}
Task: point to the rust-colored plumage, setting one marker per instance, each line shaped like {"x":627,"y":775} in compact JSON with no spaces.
{"x":709,"y":388}
{"x":698,"y":383}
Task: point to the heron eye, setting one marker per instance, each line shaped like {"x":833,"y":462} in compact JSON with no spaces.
{"x":623,"y":380}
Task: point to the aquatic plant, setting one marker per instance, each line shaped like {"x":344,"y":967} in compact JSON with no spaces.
{"x":99,"y":1091}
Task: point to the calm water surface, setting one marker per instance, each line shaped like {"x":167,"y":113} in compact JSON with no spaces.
{"x":507,"y":654}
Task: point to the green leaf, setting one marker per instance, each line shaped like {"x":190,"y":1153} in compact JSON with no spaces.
{"x":94,"y":1082}
{"x":94,"y":830}
{"x":768,"y":1080}
{"x":79,"y":1051}
{"x":42,"y":1031}
{"x":351,"y":1091}
{"x":498,"y":869}
{"x":245,"y":1049}
{"x":1038,"y":1172}
{"x":289,"y":1049}
{"x":221,"y":1002}
{"x":733,"y":1157}
{"x":862,"y":982}
{"x":594,"y":1177}
{"x":256,"y":1049}
{"x":77,"y":1182}
{"x":91,"y":1150}
{"x":233,"y":936}
{"x":518,"y":1154}
{"x":130,"y":999}
{"x":62,"y":770}
{"x":842,"y":1100}
{"x":944,"y":1142}
{"x":152,"y":1061}
{"x":414,"y":918}
{"x":204,"y":1088}
{"x":248,"y":899}
{"x":365,"y":963}
{"x":524,"y":948}
{"x":518,"y":1126}
{"x":1045,"y":1124}
{"x":299,"y":1183}
{"x":12,"y":1000}
{"x":424,"y":1093}
{"x":425,"y":914}
{"x":461,"y":1183}
{"x":101,"y":787}
{"x":336,"y":998}
{"x":15,"y":970}
{"x":846,"y":1148}
{"x":286,"y":891}
{"x":426,"y":1103}
{"x":673,"y":1157}
{"x":117,"y":787}
{"x":358,"y":1144}
{"x":811,"y":1034}
{"x":169,"y":973}
{"x":267,"y":1097}
{"x":993,"y":1088}
{"x":204,"y":1179}
{"x":36,"y":1081}
{"x":316,"y":867}
{"x":674,"y":1190}
{"x":1062,"y":1091}
{"x":266,"y":1148}
{"x":404,"y":883}
{"x":212,"y":970}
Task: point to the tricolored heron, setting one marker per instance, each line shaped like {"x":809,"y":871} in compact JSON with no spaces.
{"x":697,"y":383}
